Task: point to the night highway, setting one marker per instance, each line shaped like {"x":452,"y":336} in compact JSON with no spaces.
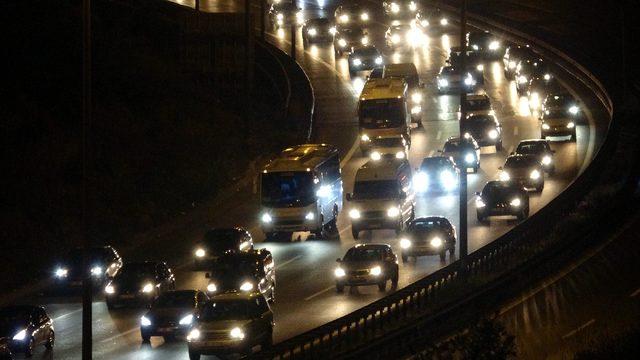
{"x":306,"y":296}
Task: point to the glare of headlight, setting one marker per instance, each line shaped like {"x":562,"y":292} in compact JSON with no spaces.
{"x":339,"y":272}
{"x":515,"y":202}
{"x":354,"y":214}
{"x":96,"y":271}
{"x":323,"y":191}
{"x":200,"y":253}
{"x":413,"y":6}
{"x":535,"y":100}
{"x":522,"y":79}
{"x":444,"y":21}
{"x":364,"y":16}
{"x":144,"y":321}
{"x":375,"y":271}
{"x":512,"y":64}
{"x":415,"y":110}
{"x":504,"y":176}
{"x":187,"y":320}
{"x":571,"y":125}
{"x":480,"y":67}
{"x":493,"y":134}
{"x":494,"y":45}
{"x":378,"y":60}
{"x":266,"y":218}
{"x":357,"y":62}
{"x":332,"y":30}
{"x":20,"y":335}
{"x":393,"y":212}
{"x":424,"y":23}
{"x":535,"y":175}
{"x":312,"y":32}
{"x":364,"y":40}
{"x":246,"y":286}
{"x":395,"y":8}
{"x":310,"y":216}
{"x":344,"y":18}
{"x":60,"y":272}
{"x":469,"y":158}
{"x":436,"y":242}
{"x":194,"y":334}
{"x":212,"y":288}
{"x":147,"y":288}
{"x":376,"y":156}
{"x":447,"y":177}
{"x":443,"y":82}
{"x":109,"y":289}
{"x":416,"y":97}
{"x":480,"y":203}
{"x":395,"y":38}
{"x":574,"y":109}
{"x":546,"y":160}
{"x":546,"y":126}
{"x":342,"y":42}
{"x":420,"y":182}
{"x":280,"y":16}
{"x":468,"y":80}
{"x":405,"y":243}
{"x":474,"y":46}
{"x":364,"y":137}
{"x":244,"y":245}
{"x":237,"y":333}
{"x":547,"y":76}
{"x":400,"y":155}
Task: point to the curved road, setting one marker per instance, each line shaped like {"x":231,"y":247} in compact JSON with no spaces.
{"x":305,"y":293}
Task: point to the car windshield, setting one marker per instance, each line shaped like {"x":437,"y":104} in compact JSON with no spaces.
{"x":520,"y":162}
{"x":227,"y":310}
{"x":376,"y":73}
{"x":363,"y":254}
{"x":426,"y":225}
{"x":137,"y":271}
{"x":175,"y":300}
{"x":449,"y":70}
{"x":287,"y":189}
{"x":366,"y":52}
{"x":382,"y":113}
{"x":236,"y":264}
{"x":376,"y":189}
{"x":531,"y":148}
{"x":479,"y":121}
{"x":477,"y":104}
{"x":388,"y":142}
{"x":222,"y":240}
{"x":497,"y":189}
{"x":450,"y":147}
{"x":434,"y":163}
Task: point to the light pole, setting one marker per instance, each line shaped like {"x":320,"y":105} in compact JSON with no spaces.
{"x":86,"y":121}
{"x":463,"y":97}
{"x":294,"y":22}
{"x":197,"y":5}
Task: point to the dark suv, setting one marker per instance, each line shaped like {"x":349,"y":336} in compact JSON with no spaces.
{"x":367,"y":264}
{"x":502,"y":198}
{"x":171,"y":314}
{"x":139,"y":283}
{"x":217,"y":242}
{"x":432,"y":235}
{"x":244,"y":272}
{"x":524,"y":170}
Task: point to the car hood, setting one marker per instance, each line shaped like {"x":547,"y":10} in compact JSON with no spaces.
{"x":519,"y":172}
{"x":221,"y":324}
{"x":176,"y":313}
{"x":360,"y":265}
{"x":131,"y":283}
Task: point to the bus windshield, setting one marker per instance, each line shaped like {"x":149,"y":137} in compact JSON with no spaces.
{"x":287,"y":189}
{"x":382,"y":113}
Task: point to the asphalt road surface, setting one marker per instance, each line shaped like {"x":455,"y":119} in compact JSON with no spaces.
{"x":305,"y":293}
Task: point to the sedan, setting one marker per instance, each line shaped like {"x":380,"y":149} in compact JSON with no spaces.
{"x":367,"y":264}
{"x":285,"y":14}
{"x":436,"y":173}
{"x":485,"y":129}
{"x":451,"y":79}
{"x":477,"y":104}
{"x":352,"y":13}
{"x":403,"y":36}
{"x":104,"y":263}
{"x":512,"y":56}
{"x":465,"y":154}
{"x":364,"y":58}
{"x":27,"y":327}
{"x":139,"y":283}
{"x":524,"y":170}
{"x":171,"y":314}
{"x":348,"y":37}
{"x":486,"y":44}
{"x":433,"y":235}
{"x":499,"y":198}
{"x":559,"y":115}
{"x":317,"y":30}
{"x":539,"y":148}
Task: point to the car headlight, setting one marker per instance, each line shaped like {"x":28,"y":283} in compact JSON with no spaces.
{"x":415,"y":110}
{"x":211,"y":287}
{"x":474,"y":46}
{"x":480,"y":203}
{"x":574,"y":110}
{"x":393,"y":212}
{"x":375,"y":271}
{"x":512,"y":64}
{"x":571,"y":125}
{"x":266,"y":218}
{"x":310,"y":216}
{"x":333,"y":30}
{"x":420,"y":182}
{"x":237,"y":333}
{"x":194,"y":334}
{"x":395,"y":8}
{"x":109,"y":289}
{"x":96,"y":271}
{"x":280,"y":16}
{"x":365,"y":138}
{"x":62,"y":272}
{"x":468,"y":80}
{"x":20,"y":335}
{"x":400,"y":155}
{"x":376,"y":156}
{"x":312,"y":32}
{"x":364,"y":16}
{"x":546,"y":126}
{"x":147,"y":288}
{"x":535,"y":175}
{"x":547,"y":77}
{"x":443,"y":82}
{"x":354,"y":214}
{"x":416,"y":97}
{"x":200,"y":253}
{"x":357,"y":62}
{"x":480,"y":67}
{"x":444,"y":21}
{"x":504,"y":176}
{"x":379,"y":60}
{"x":342,"y":42}
{"x":339,"y":272}
{"x":364,"y":40}
{"x":413,"y":6}
{"x":344,"y":18}
{"x":515,"y":202}
{"x":246,"y":286}
{"x":144,"y":321}
{"x":494,"y":45}
{"x":469,"y":158}
{"x":405,"y":243}
{"x":493,"y":134}
{"x":522,"y":79}
{"x":546,"y":160}
{"x":424,"y":23}
{"x":187,"y":320}
{"x":436,"y":242}
{"x":395,"y":38}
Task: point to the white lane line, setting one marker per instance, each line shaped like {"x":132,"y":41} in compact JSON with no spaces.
{"x":439,"y":135}
{"x":279,"y":266}
{"x":515,"y":130}
{"x":318,"y":293}
{"x":350,"y":153}
{"x":111,"y":338}
{"x":635,"y":293}
{"x":581,"y":327}
{"x":57,"y":318}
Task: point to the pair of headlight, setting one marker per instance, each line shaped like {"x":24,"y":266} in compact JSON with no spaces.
{"x":147,"y":288}
{"x":186,"y":320}
{"x":443,"y":82}
{"x":236,"y":333}
{"x":375,"y":271}
{"x":245,"y":286}
{"x":435,"y":242}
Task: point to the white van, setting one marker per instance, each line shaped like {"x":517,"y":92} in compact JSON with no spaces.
{"x":382,"y":196}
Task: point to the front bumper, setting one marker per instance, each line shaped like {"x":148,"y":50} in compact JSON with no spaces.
{"x":500,"y":210}
{"x":528,"y":182}
{"x":168,"y":329}
{"x":423,"y":250}
{"x":218,"y":345}
{"x":352,"y":279}
{"x":375,"y":223}
{"x":290,"y":225}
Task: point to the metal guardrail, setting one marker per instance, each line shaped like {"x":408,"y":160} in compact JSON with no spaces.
{"x":427,"y":297}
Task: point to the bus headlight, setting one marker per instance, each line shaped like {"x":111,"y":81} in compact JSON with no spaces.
{"x":504,"y":176}
{"x":310,"y":216}
{"x":493,"y":134}
{"x":376,"y":156}
{"x":393,"y":212}
{"x":375,"y":271}
{"x":436,"y":242}
{"x":571,"y":125}
{"x":416,"y":97}
{"x":405,"y":243}
{"x":546,"y":160}
{"x":515,"y":202}
{"x":339,"y":272}
{"x":535,"y":175}
{"x":266,"y":218}
{"x":354,"y":214}
{"x":494,"y":45}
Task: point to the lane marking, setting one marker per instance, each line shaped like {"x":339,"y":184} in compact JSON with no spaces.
{"x":319,"y":293}
{"x":349,"y":155}
{"x":65,"y":315}
{"x":111,"y":338}
{"x":439,"y":135}
{"x":288,"y":262}
{"x":515,"y":130}
{"x":635,"y":293}
{"x":581,"y":327}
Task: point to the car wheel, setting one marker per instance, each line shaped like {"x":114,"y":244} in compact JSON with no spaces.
{"x":50,"y":340}
{"x":355,"y":232}
{"x":194,"y":355}
{"x":339,"y":288}
{"x":443,"y":255}
{"x":28,"y":350}
{"x":405,"y":258}
{"x":382,"y":286}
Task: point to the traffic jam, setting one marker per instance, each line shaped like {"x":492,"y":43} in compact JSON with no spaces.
{"x":301,"y":189}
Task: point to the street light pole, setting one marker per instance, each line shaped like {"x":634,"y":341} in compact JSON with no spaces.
{"x":197,"y":5}
{"x":293,"y":31}
{"x":463,"y":97}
